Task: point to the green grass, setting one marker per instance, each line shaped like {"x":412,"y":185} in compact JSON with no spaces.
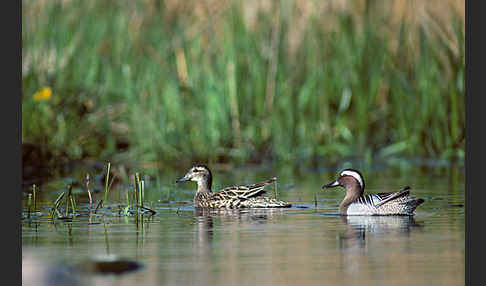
{"x":141,"y":81}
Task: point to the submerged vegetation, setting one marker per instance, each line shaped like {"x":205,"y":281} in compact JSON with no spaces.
{"x":165,"y":81}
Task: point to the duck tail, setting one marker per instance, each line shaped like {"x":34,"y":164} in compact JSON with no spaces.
{"x":264,"y":183}
{"x":413,"y":203}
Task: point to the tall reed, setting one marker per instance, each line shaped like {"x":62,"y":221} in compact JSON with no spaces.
{"x":287,"y":82}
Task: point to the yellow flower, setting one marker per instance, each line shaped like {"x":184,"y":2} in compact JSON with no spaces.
{"x":43,"y":94}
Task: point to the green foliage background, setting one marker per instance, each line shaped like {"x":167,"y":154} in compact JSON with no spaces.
{"x":220,"y":81}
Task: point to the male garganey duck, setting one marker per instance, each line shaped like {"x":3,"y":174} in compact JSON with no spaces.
{"x":249,"y":196}
{"x":356,"y":203}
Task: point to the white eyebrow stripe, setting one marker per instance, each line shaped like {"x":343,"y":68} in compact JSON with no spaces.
{"x":355,"y":175}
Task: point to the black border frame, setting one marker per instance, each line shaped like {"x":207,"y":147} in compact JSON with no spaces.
{"x":468,"y":149}
{"x":12,"y":28}
{"x":11,"y":23}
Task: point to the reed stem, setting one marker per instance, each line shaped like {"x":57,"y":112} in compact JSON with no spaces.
{"x":29,"y":202}
{"x":276,"y":190}
{"x":106,"y":186}
{"x":139,"y":189}
{"x":89,"y":192}
{"x":143,"y":192}
{"x":35,"y":199}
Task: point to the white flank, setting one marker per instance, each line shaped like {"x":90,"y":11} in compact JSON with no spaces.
{"x":360,"y":209}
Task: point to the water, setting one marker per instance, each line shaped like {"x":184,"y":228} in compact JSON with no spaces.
{"x":304,"y":245}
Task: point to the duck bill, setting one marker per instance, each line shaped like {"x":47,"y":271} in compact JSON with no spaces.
{"x":183,"y":179}
{"x":332,"y":184}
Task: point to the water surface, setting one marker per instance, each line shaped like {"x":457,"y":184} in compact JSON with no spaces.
{"x":308,"y":244}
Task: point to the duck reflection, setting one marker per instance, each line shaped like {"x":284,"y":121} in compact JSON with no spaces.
{"x":234,"y":217}
{"x":208,"y":222}
{"x":358,"y":227}
{"x":204,"y":230}
{"x":363,"y":234}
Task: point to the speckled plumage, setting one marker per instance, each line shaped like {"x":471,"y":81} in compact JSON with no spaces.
{"x":356,"y":203}
{"x":248,"y":196}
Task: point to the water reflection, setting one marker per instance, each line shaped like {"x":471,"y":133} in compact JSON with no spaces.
{"x":35,"y":271}
{"x":367,"y":237}
{"x":358,"y":227}
{"x":204,"y":232}
{"x":220,"y":241}
{"x":204,"y":220}
{"x":382,"y":224}
{"x":257,"y":215}
{"x":181,"y":245}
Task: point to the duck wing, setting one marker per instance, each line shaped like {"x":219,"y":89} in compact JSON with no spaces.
{"x":243,"y":192}
{"x":376,"y":200}
{"x":386,"y":197}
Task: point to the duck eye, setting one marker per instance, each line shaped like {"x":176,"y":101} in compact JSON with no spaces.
{"x":195,"y":170}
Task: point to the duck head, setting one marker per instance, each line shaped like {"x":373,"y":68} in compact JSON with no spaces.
{"x":353,"y":182}
{"x":350,"y":179}
{"x":199,"y":174}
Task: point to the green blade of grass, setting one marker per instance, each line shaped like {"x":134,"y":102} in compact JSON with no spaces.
{"x":107,"y":189}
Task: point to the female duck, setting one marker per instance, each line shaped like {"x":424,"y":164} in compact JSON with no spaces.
{"x":356,"y":203}
{"x":249,"y":196}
